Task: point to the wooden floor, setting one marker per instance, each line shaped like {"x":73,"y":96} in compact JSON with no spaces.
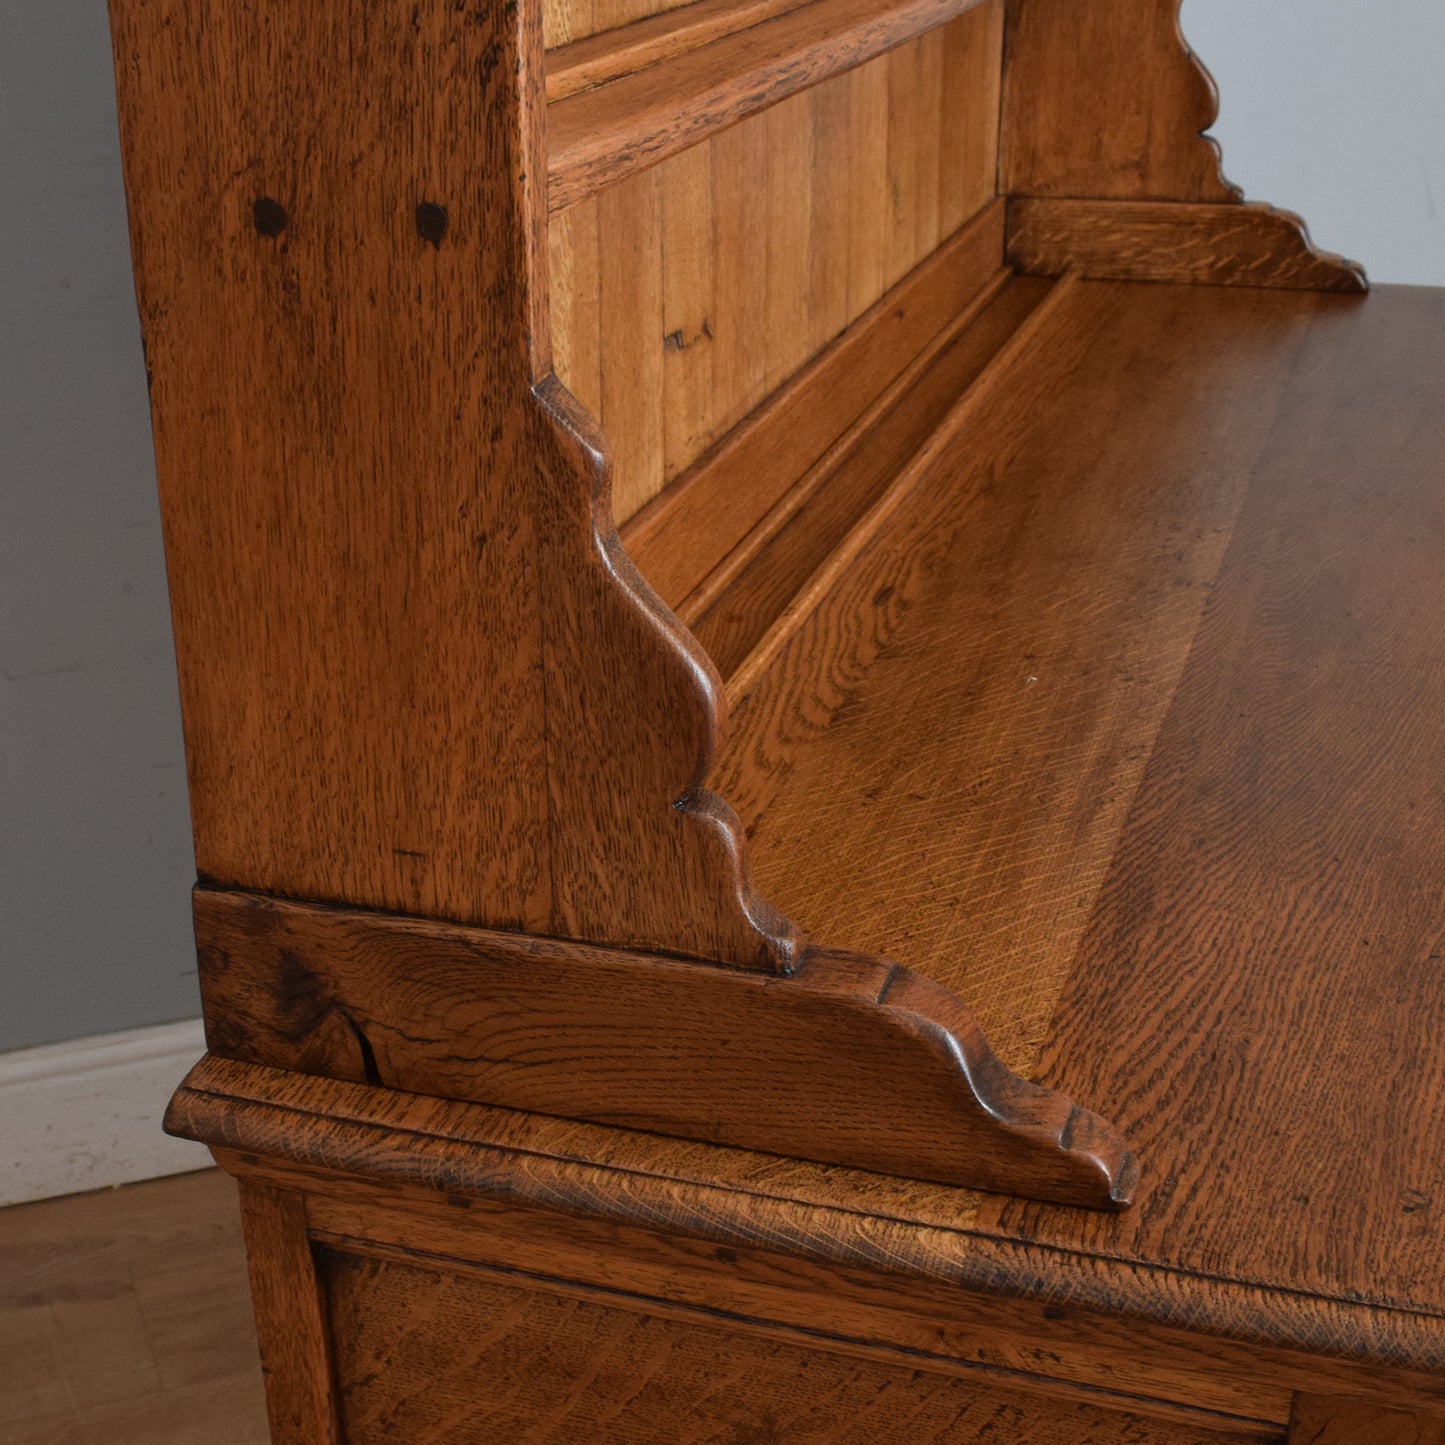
{"x":125,"y":1319}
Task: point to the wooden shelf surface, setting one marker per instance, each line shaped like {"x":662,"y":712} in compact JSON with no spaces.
{"x":1127,"y":727}
{"x":620,"y":102}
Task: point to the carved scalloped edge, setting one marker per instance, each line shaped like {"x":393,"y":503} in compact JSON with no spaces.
{"x":1208,"y":105}
{"x":728,"y":919}
{"x":851,"y":1060}
{"x":1333,"y":271}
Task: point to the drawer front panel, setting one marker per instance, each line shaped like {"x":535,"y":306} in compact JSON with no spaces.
{"x":426,"y":1356}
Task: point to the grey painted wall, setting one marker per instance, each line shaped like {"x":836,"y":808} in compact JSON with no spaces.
{"x":95,"y":854}
{"x":1335,"y":109}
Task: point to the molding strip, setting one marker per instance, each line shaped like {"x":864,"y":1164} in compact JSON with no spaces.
{"x":86,"y":1114}
{"x":1216,"y":245}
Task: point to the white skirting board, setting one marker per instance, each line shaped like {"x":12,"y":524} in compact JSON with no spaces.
{"x":86,"y":1114}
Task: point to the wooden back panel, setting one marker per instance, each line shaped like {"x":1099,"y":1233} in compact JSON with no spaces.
{"x":684,"y":295}
{"x":567,"y":20}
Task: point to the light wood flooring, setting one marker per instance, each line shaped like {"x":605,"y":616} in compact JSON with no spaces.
{"x":125,"y":1319}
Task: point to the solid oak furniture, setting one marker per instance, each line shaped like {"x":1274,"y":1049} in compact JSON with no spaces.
{"x":1042,"y":554}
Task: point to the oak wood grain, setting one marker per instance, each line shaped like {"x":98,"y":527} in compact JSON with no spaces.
{"x":618,"y":51}
{"x":1106,"y":101}
{"x":1319,"y":1420}
{"x":892,"y":1259}
{"x":1040,"y":590}
{"x":767,"y":1295}
{"x":795,"y":202}
{"x":597,"y":137}
{"x":619,"y":1375}
{"x":733,"y":608}
{"x":568,"y":22}
{"x":817,"y":484}
{"x":1270,"y":924}
{"x":291,"y":1317}
{"x":686,"y":532}
{"x":393,"y":568}
{"x":849,"y":1060}
{"x":1218,"y":245}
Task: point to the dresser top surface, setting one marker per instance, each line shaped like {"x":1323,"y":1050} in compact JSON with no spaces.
{"x":1188,"y":828}
{"x":1147,"y":704}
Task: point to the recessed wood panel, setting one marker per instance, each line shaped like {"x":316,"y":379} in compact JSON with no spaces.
{"x":683,"y":295}
{"x":429,"y":1356}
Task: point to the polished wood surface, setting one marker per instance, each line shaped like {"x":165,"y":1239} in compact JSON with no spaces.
{"x":850,"y":1060}
{"x":608,"y":54}
{"x":741,"y":490}
{"x":568,"y":21}
{"x":1082,"y":643}
{"x":1040,"y":592}
{"x":847,"y":1256}
{"x":1270,"y":924}
{"x":618,"y":1375}
{"x":686,"y":295}
{"x":124,"y":1319}
{"x":734,"y":608}
{"x":1214,"y":701}
{"x":146,"y":1332}
{"x":1208,"y":245}
{"x":292,"y":1321}
{"x":1320,"y":1421}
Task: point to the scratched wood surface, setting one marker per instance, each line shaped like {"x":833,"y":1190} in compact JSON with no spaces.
{"x":684,"y":295}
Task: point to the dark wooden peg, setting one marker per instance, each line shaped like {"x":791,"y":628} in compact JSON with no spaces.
{"x":269,"y":215}
{"x":431,"y":222}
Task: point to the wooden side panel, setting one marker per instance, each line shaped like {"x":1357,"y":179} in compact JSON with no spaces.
{"x":417,"y":671}
{"x":428,"y":1356}
{"x":814,"y":209}
{"x":1107,"y":101}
